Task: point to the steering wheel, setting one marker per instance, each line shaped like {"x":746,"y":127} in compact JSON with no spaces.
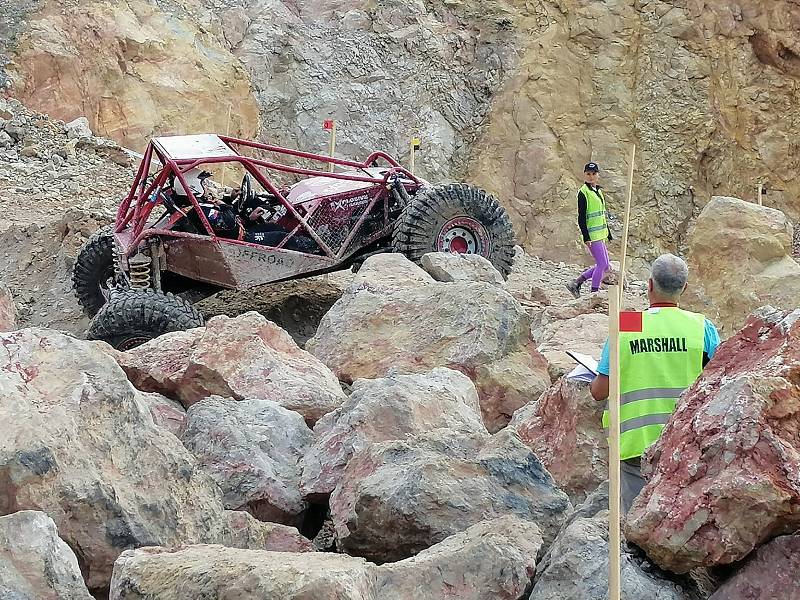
{"x":246,"y":192}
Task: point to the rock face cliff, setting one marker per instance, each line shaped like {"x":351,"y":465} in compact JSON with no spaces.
{"x":707,"y":89}
{"x":134,"y":68}
{"x":515,"y":96}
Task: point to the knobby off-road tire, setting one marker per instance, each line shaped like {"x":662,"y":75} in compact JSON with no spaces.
{"x":134,"y":316}
{"x":455,"y":218}
{"x":94,"y":270}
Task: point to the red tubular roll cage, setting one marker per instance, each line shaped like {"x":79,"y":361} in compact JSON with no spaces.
{"x":138,"y":214}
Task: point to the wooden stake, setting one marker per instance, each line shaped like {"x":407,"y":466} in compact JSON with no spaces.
{"x":614,"y":575}
{"x":625,"y":225}
{"x":414,"y":146}
{"x":332,"y":146}
{"x":760,"y":193}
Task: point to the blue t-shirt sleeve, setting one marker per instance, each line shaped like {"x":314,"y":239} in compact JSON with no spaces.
{"x":603,"y":367}
{"x":710,"y":339}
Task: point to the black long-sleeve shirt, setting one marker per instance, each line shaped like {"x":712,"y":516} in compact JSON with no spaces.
{"x":582,"y":215}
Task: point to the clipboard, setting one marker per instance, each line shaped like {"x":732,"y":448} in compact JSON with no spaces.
{"x":584,"y":359}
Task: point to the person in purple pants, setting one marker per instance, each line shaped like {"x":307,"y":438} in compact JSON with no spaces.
{"x":593,"y":223}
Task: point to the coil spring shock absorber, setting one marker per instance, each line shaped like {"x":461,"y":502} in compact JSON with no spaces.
{"x":118,"y":275}
{"x":139,"y":271}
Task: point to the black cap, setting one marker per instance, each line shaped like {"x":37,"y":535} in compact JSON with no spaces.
{"x":591,"y":168}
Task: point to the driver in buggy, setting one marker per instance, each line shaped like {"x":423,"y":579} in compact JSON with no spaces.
{"x":238,"y":214}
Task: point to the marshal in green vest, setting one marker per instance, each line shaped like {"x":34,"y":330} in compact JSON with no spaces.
{"x":655,"y":366}
{"x":596,"y":221}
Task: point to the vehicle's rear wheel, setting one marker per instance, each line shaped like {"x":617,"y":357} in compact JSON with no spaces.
{"x":93,"y":271}
{"x":134,"y":316}
{"x":456,"y":218}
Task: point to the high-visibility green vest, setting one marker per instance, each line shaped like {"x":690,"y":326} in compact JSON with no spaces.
{"x":655,"y":366}
{"x":596,"y":221}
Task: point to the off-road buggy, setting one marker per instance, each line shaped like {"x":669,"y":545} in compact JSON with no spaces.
{"x":173,"y":243}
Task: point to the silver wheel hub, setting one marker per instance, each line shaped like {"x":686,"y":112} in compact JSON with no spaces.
{"x":460,"y":239}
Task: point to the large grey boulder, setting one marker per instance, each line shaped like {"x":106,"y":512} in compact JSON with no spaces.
{"x":35,"y":564}
{"x":492,"y":560}
{"x":388,"y":408}
{"x":398,"y":498}
{"x":576,"y":568}
{"x":395,"y":316}
{"x":252,"y":449}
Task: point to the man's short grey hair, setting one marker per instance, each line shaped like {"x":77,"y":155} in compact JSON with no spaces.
{"x":669,"y":274}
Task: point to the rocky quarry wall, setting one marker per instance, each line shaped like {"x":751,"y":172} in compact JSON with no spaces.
{"x":515,"y":96}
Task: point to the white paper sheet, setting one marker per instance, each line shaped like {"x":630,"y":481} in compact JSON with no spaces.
{"x":581,"y":373}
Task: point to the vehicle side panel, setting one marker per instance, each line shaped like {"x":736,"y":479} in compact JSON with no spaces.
{"x":200,"y":258}
{"x":233,"y":264}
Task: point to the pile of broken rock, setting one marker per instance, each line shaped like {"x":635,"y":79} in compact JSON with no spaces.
{"x":421,"y":446}
{"x":58,"y":185}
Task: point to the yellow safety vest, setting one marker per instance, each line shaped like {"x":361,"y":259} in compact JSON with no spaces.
{"x":596,"y":221}
{"x":655,"y":366}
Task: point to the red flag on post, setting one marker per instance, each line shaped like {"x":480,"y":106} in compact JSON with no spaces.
{"x":630,"y":321}
{"x":327,"y":124}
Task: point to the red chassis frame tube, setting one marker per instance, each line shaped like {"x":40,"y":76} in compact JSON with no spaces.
{"x":140,"y":215}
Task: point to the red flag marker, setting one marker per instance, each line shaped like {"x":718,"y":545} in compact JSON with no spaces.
{"x":327,"y":124}
{"x":630,"y":321}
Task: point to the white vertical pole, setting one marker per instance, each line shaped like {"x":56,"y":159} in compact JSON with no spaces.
{"x":625,"y":225}
{"x":760,"y":193}
{"x":614,"y":583}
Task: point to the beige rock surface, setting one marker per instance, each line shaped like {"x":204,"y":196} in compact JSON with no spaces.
{"x":153,"y":70}
{"x":395,"y":315}
{"x":79,"y":445}
{"x":740,"y":258}
{"x":707,"y":90}
{"x":460,"y":267}
{"x":584,"y":333}
{"x":513,"y":96}
{"x":390,"y":408}
{"x":242,"y":357}
{"x":492,"y":560}
{"x":8,"y":310}
{"x":34,"y":562}
{"x":217,"y":572}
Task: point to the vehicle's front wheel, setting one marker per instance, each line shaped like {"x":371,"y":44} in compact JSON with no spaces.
{"x":456,"y":218}
{"x":93,"y":271}
{"x":134,"y":316}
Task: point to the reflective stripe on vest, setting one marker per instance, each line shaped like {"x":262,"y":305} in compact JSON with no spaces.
{"x":656,"y":366}
{"x":595,"y":213}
